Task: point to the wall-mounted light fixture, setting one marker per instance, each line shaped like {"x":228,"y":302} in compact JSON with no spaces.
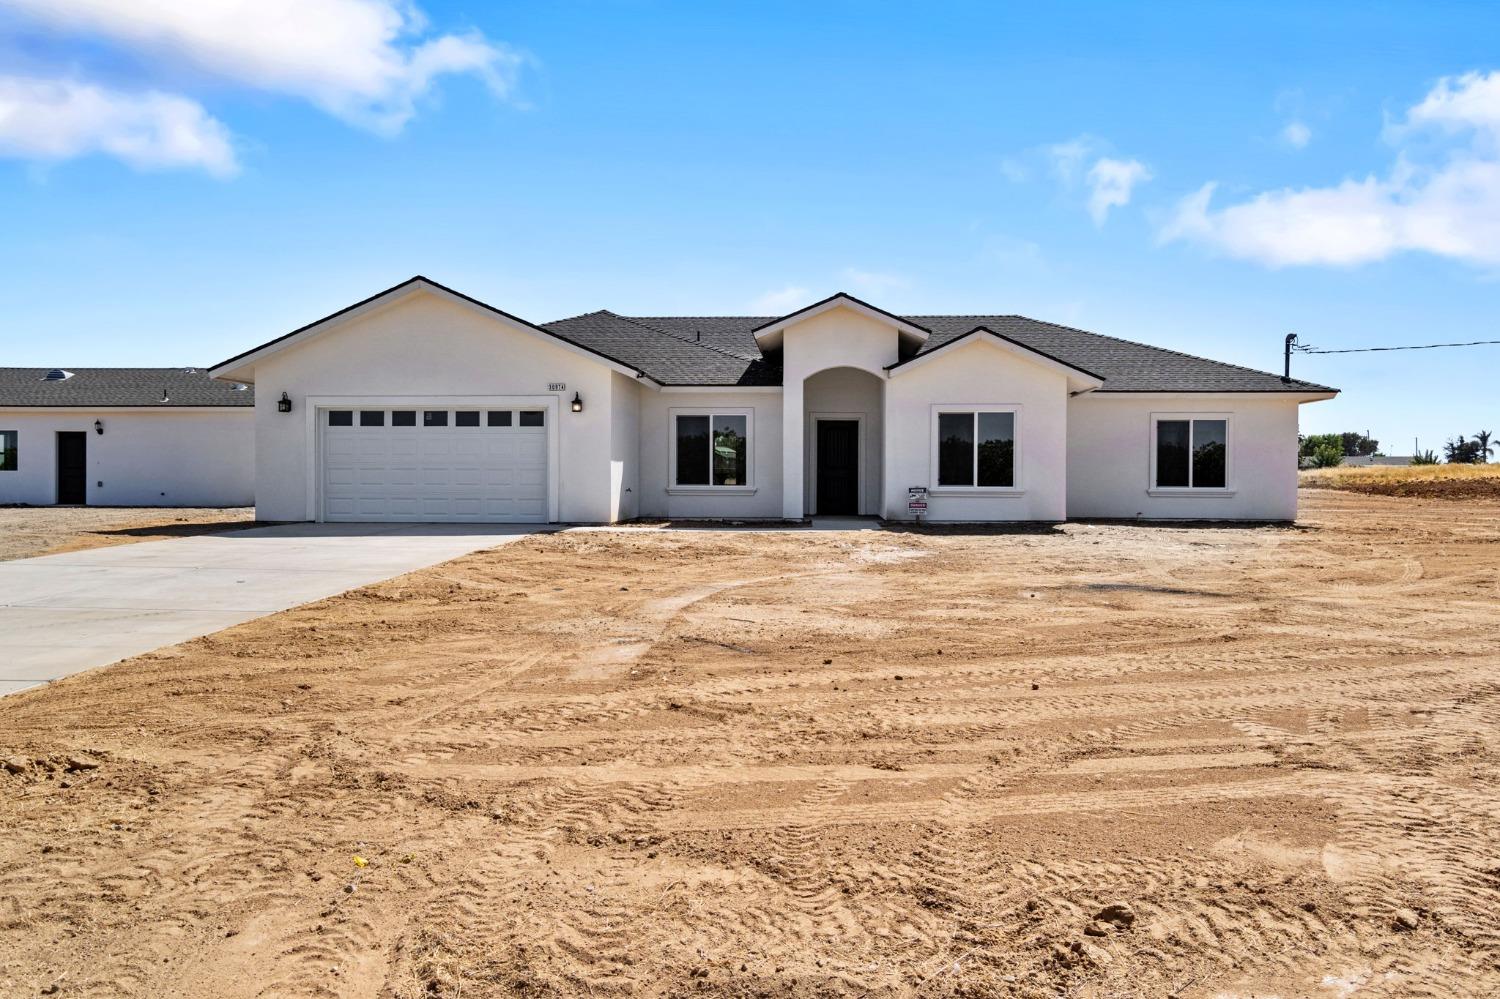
{"x":284,"y":404}
{"x":99,"y":427}
{"x":577,"y":403}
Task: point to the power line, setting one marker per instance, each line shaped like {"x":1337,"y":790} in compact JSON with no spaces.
{"x":1364,"y":350}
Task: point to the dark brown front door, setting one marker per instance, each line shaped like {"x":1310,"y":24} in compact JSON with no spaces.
{"x":838,"y":467}
{"x":72,"y":467}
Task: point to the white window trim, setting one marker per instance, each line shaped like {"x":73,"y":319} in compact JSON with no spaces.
{"x":1226,"y":490}
{"x":746,"y":488}
{"x":1018,"y":487}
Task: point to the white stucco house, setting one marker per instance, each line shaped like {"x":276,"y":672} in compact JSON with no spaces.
{"x":125,"y":437}
{"x":423,"y":404}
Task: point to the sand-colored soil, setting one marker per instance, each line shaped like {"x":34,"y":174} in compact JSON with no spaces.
{"x":49,"y":530}
{"x":736,"y":764}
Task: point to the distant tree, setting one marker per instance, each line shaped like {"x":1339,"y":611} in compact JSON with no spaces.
{"x":1461,"y":451}
{"x":1327,"y":455}
{"x":1485,"y":447}
{"x":1424,"y":458}
{"x":1309,"y":445}
{"x":1349,"y":444}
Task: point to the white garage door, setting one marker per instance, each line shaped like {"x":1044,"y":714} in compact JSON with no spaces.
{"x":478,"y":465}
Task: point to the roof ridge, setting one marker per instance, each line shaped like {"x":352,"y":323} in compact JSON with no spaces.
{"x":636,"y":321}
{"x":1164,"y":350}
{"x":581,"y":315}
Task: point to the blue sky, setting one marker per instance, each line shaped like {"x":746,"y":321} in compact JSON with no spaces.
{"x":179,"y":185}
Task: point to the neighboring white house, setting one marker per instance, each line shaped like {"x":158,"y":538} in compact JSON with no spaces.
{"x":125,"y":437}
{"x":423,"y":404}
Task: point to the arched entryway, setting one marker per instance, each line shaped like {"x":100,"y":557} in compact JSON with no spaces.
{"x":843,"y":420}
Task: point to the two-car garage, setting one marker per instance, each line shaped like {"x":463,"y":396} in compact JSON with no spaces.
{"x":434,"y":463}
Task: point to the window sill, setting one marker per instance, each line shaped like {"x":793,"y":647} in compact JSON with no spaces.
{"x":1203,"y":493}
{"x":976,"y":491}
{"x":711,"y":490}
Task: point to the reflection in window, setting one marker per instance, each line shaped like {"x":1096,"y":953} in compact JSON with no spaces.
{"x":1192,"y":454}
{"x":711,"y":449}
{"x":730,"y":452}
{"x":996,"y":449}
{"x":434,"y":418}
{"x":977,"y":449}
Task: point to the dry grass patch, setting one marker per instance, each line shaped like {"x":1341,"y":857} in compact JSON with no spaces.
{"x":1435,"y":481}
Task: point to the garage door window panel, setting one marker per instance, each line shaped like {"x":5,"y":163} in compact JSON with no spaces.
{"x":498,"y":418}
{"x":435,"y":418}
{"x":341,"y":417}
{"x":533,"y":418}
{"x":372,"y":417}
{"x":403,"y":417}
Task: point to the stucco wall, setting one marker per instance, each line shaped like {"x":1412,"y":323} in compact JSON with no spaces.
{"x":658,"y":498}
{"x":625,"y":447}
{"x":845,"y":392}
{"x":1109,"y":457}
{"x":981,"y":374}
{"x":838,"y":338}
{"x":424,"y":347}
{"x":143,"y":458}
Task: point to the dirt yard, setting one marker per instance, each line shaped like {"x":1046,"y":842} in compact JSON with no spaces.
{"x":1101,"y":760}
{"x":48,"y":530}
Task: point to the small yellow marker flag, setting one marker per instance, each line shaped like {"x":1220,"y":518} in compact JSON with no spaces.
{"x":360,"y":861}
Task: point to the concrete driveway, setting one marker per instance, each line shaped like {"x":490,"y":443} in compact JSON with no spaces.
{"x":60,"y":614}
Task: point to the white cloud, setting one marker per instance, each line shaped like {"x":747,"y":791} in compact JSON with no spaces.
{"x":365,"y":61}
{"x":873,"y":282}
{"x":60,"y":119}
{"x":1449,"y":208}
{"x":1296,"y":134}
{"x":1068,"y":157}
{"x":1081,"y":160}
{"x":1471,"y":101}
{"x":781,"y":301}
{"x":1110,"y":185}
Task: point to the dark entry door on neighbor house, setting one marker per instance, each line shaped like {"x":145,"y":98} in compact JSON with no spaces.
{"x":838,"y":468}
{"x":72,"y":466}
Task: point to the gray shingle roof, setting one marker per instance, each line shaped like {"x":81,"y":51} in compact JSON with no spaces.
{"x":721,"y":350}
{"x":90,"y":387}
